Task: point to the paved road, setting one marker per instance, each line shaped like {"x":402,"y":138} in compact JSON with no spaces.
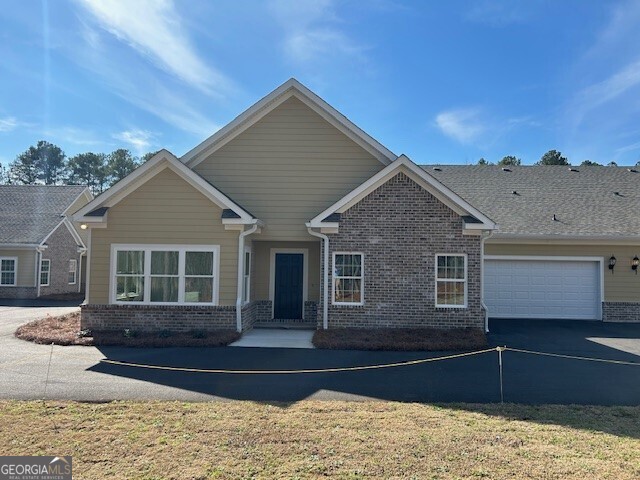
{"x":76,"y":372}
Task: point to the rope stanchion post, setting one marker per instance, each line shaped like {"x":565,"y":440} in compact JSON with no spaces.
{"x":500,"y":350}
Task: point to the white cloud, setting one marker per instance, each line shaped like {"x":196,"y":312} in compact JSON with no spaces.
{"x":154,"y":28}
{"x":139,"y":139}
{"x":311,"y":31}
{"x":464,"y":125}
{"x":8,"y":123}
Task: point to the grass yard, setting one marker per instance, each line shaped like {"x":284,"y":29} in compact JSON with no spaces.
{"x":129,"y":440}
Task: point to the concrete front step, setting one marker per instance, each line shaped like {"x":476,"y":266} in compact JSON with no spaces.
{"x":286,"y":325}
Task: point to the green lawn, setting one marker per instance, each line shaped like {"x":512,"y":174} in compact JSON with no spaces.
{"x":311,"y":439}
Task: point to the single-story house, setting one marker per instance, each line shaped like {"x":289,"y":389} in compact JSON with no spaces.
{"x":293,"y":214}
{"x":41,"y":250}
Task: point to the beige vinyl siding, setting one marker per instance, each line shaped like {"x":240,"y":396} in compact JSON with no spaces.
{"x":287,"y":168}
{"x":164,"y":210}
{"x":26,"y":265}
{"x":261,"y":271}
{"x":621,"y":286}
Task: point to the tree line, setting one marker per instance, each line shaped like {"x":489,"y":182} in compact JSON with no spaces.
{"x":46,"y":164}
{"x":552,"y":157}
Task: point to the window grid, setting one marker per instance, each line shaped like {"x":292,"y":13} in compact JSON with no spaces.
{"x":246,"y":284}
{"x":348,"y":278}
{"x":73,"y":267}
{"x":45,"y":272}
{"x":451,"y":280}
{"x":192,"y":288}
{"x":8,"y":271}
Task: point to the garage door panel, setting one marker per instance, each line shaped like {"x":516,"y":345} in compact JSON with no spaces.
{"x":542,"y":289}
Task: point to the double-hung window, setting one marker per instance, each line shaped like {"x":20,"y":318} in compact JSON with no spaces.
{"x":451,"y":280}
{"x":8,"y":271}
{"x":348,"y":278}
{"x":165,"y":274}
{"x":45,"y":271}
{"x":73,"y":269}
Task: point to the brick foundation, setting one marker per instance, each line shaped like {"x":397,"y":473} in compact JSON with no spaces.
{"x":178,"y":318}
{"x":18,"y":292}
{"x":400,"y":228}
{"x":621,"y":311}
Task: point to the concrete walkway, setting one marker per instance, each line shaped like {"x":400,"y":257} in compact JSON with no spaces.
{"x":275,"y":338}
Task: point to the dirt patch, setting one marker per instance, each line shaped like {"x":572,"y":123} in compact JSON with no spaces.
{"x":327,"y":439}
{"x":405,"y":339}
{"x":65,"y":330}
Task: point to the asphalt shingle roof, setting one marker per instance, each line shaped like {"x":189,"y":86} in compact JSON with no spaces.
{"x":584,"y":202}
{"x":28,"y":213}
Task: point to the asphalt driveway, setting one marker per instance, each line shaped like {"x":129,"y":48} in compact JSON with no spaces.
{"x":76,"y":373}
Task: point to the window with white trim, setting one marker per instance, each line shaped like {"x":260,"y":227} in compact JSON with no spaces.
{"x":246,"y":280}
{"x":73,"y":269}
{"x":348,"y":278}
{"x":45,"y":272}
{"x":451,"y":280}
{"x":165,"y":274}
{"x":8,"y":271}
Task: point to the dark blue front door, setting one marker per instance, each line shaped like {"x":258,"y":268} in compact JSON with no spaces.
{"x":288,"y":286}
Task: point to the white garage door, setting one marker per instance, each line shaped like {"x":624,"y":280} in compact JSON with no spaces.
{"x":542,"y":289}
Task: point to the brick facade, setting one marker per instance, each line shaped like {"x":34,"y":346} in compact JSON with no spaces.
{"x":61,"y":247}
{"x":18,"y":292}
{"x":179,"y":318}
{"x":621,"y":311}
{"x":400,"y":228}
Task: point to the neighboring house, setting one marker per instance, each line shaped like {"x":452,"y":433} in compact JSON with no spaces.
{"x":293,"y":214}
{"x":41,"y":251}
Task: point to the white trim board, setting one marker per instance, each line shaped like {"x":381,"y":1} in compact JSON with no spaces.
{"x":404,"y":165}
{"x":272,"y":274}
{"x":291,"y":88}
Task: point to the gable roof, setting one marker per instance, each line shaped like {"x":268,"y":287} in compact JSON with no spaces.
{"x":30,"y":213}
{"x":97,"y":210}
{"x":291,"y":88}
{"x":584,"y":200}
{"x":473,"y":218}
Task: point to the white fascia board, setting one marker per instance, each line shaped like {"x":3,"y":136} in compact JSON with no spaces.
{"x":405,"y":165}
{"x":74,"y":232}
{"x":163,"y":159}
{"x":257,"y":111}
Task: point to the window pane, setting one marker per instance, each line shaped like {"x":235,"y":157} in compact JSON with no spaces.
{"x":7,"y":278}
{"x":164,"y":289}
{"x":198,"y":289}
{"x":199,"y":263}
{"x":131,"y":262}
{"x":129,"y":289}
{"x":450,"y":293}
{"x":247,"y":263}
{"x":8,"y":265}
{"x":45,"y":266}
{"x":348,"y":290}
{"x":164,"y":263}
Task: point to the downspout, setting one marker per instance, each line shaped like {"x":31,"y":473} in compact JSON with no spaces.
{"x":243,"y":234}
{"x":83,"y":253}
{"x":486,"y":235}
{"x":325,"y":280}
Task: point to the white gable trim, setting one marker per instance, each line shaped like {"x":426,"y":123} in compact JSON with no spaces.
{"x":404,"y":165}
{"x":162,"y":160}
{"x":291,"y":88}
{"x":87,"y":194}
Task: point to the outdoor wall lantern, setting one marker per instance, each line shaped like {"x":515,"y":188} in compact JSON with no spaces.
{"x":612,"y":263}
{"x":634,"y":264}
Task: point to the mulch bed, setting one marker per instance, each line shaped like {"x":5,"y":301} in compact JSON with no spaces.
{"x":405,"y":339}
{"x":65,"y":330}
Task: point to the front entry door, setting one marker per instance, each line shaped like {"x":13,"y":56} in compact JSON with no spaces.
{"x":288,"y":286}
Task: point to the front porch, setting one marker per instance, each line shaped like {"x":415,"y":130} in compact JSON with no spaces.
{"x":283,"y":284}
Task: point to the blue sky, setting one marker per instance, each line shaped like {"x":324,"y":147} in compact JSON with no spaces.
{"x":443,"y":82}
